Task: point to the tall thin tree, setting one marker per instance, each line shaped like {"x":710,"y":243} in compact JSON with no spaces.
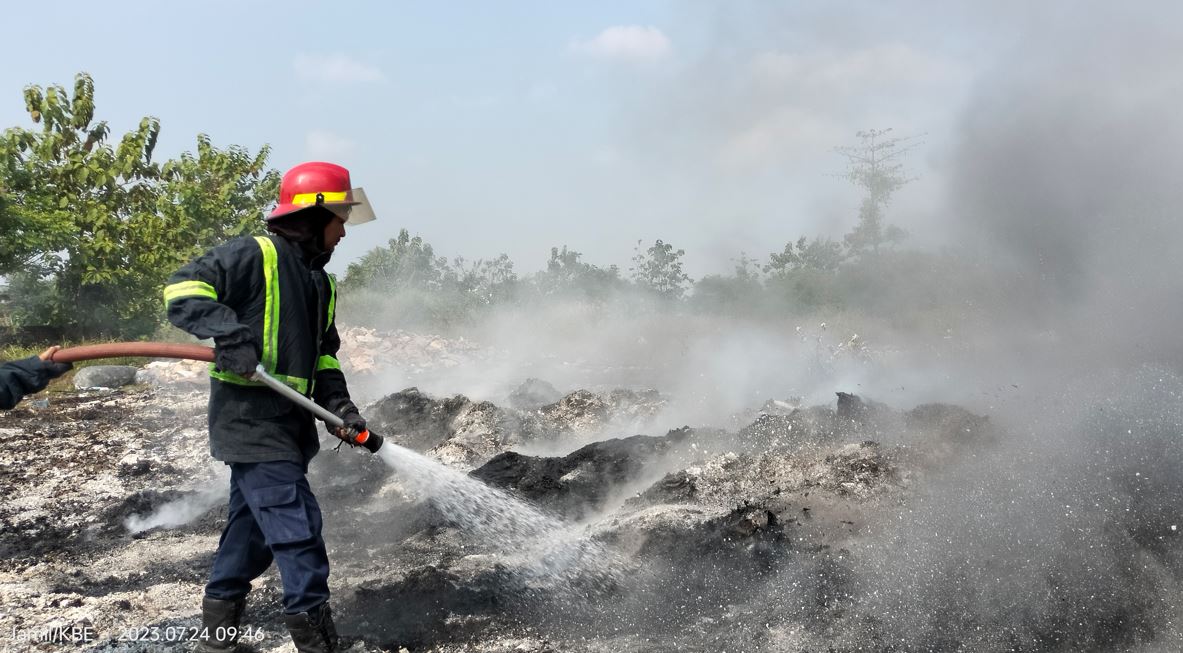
{"x":875,"y":165}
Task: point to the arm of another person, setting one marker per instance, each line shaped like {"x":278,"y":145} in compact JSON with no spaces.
{"x":28,"y":375}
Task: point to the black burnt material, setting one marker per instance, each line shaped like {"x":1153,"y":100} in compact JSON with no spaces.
{"x":413,"y":419}
{"x":427,"y":606}
{"x":581,"y":481}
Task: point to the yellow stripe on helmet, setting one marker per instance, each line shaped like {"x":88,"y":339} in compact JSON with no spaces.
{"x":329,"y":196}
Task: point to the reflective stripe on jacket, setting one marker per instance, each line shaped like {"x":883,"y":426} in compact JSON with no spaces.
{"x":262,"y":291}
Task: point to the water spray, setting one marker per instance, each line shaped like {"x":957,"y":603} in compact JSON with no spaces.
{"x":371,"y":441}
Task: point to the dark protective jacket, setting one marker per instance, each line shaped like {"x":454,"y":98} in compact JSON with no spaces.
{"x":23,"y":377}
{"x":265,"y":291}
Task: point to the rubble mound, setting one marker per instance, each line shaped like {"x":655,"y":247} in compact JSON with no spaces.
{"x":456,"y":430}
{"x":931,"y":429}
{"x":799,"y":427}
{"x":635,"y":406}
{"x":183,"y":374}
{"x":533,"y":394}
{"x":854,"y":470}
{"x":871,"y":419}
{"x":950,"y":425}
{"x":466,"y":433}
{"x":581,"y":481}
{"x":478,"y":431}
{"x":369,"y":351}
{"x":583,"y":412}
{"x":780,"y":406}
{"x":415,"y":420}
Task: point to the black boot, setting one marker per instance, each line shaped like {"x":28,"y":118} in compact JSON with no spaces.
{"x":219,"y":624}
{"x":313,"y":631}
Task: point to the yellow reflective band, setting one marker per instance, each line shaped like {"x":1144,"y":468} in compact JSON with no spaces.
{"x":270,"y":304}
{"x":332,"y":301}
{"x":231,"y":377}
{"x":298,"y":384}
{"x":188,"y":289}
{"x":301,"y":385}
{"x":327,"y":363}
{"x":330,"y":196}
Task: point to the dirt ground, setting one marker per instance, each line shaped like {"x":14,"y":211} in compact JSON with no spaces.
{"x":804,"y":530}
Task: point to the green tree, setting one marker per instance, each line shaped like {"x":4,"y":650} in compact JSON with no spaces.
{"x":216,"y":195}
{"x":820,"y":254}
{"x":29,"y":297}
{"x":486,"y":282}
{"x":875,"y":166}
{"x":566,"y":274}
{"x":406,"y":284}
{"x":659,"y":269}
{"x":804,"y":276}
{"x":740,"y":291}
{"x":106,"y":224}
{"x":405,"y":263}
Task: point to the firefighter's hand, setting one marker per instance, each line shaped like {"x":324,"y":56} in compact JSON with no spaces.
{"x":354,"y":425}
{"x":240,"y":359}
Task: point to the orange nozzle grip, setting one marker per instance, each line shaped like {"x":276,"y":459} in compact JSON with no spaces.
{"x":363,"y":436}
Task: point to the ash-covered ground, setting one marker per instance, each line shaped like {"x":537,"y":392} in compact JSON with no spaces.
{"x":845,"y":526}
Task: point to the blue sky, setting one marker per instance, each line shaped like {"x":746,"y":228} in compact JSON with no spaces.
{"x":492,"y":127}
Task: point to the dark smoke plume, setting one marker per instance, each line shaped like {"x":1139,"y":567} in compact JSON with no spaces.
{"x":1068,"y":167}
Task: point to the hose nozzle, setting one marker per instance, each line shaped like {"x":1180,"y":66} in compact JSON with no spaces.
{"x":371,"y":441}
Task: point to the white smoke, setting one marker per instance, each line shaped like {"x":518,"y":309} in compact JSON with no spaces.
{"x":179,"y":512}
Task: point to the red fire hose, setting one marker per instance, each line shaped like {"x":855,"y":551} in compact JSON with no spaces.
{"x":144,"y":349}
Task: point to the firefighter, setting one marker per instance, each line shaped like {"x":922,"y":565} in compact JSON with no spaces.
{"x":267,"y":300}
{"x":28,"y":375}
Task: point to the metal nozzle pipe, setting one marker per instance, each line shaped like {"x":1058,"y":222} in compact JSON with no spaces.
{"x":371,"y":441}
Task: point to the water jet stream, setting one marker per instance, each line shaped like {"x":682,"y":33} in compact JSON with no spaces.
{"x":539,"y":547}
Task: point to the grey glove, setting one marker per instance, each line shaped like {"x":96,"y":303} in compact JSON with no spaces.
{"x":240,"y":359}
{"x":354,"y":426}
{"x":354,"y":422}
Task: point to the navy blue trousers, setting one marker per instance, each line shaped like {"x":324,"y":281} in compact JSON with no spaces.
{"x":273,"y":516}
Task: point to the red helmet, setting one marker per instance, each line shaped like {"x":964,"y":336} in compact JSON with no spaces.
{"x":325,"y":184}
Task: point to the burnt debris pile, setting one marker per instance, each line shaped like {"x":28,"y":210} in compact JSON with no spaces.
{"x":852,"y":526}
{"x":705,"y":523}
{"x":466,"y":433}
